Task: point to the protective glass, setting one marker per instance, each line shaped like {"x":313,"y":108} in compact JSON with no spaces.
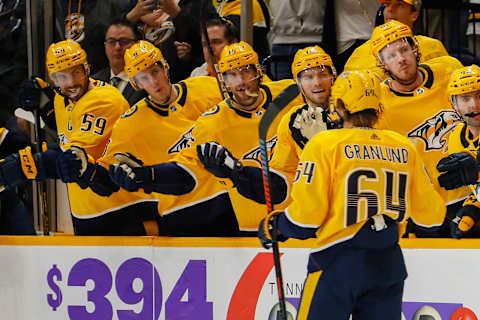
{"x":396,"y":51}
{"x":467,"y":99}
{"x":123,"y":42}
{"x":241,"y":74}
{"x":320,"y":73}
{"x":69,"y":77}
{"x":150,"y":76}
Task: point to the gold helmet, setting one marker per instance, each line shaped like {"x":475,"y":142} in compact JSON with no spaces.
{"x":464,"y":80}
{"x":141,"y":56}
{"x":237,"y":55}
{"x":358,"y":90}
{"x":387,"y":33}
{"x":64,"y":55}
{"x":416,"y":4}
{"x":311,"y":57}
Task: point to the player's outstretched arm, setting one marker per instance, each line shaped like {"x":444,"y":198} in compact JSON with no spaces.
{"x":75,"y":166}
{"x":165,"y":178}
{"x":24,"y":165}
{"x":248,"y":180}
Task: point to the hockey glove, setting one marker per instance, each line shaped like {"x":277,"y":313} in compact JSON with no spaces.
{"x":130,"y":174}
{"x":307,"y":123}
{"x":460,"y":169}
{"x":73,"y":165}
{"x":30,"y":92}
{"x":219,"y":161}
{"x":467,"y":217}
{"x":265,"y":230}
{"x":18,"y":167}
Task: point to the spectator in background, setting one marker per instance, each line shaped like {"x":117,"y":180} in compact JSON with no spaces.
{"x":406,"y":12}
{"x":231,"y":9}
{"x":221,"y":32}
{"x":183,"y":49}
{"x":83,"y":19}
{"x":120,"y":36}
{"x":297,"y":24}
{"x":354,"y":24}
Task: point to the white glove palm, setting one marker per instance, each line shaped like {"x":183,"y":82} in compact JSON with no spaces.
{"x":310,"y":122}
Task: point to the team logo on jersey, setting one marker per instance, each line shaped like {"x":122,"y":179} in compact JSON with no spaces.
{"x":420,"y":90}
{"x":173,"y":108}
{"x":184,"y":142}
{"x":258,"y":113}
{"x":433,"y":130}
{"x":255,"y":153}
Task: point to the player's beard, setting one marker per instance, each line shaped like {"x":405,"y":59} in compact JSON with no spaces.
{"x":76,"y":92}
{"x":407,"y":77}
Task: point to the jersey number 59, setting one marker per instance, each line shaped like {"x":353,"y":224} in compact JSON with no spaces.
{"x":89,"y":122}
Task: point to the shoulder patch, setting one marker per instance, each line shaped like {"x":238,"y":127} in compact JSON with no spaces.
{"x":129,"y":112}
{"x":211,"y":111}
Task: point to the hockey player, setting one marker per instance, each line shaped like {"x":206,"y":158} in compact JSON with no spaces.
{"x":414,"y":100}
{"x":460,"y":168}
{"x":232,"y":123}
{"x":161,"y":125}
{"x":406,"y":12}
{"x":362,"y":183}
{"x":85,"y":111}
{"x":314,"y":73}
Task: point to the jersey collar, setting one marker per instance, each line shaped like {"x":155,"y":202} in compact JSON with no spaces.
{"x":163,"y":109}
{"x":467,"y":138}
{"x":267,"y":98}
{"x":427,"y":83}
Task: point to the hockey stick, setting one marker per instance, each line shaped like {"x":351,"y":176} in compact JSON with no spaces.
{"x":203,"y":26}
{"x":274,"y":108}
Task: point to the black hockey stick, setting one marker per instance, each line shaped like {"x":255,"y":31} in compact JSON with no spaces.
{"x":203,"y":26}
{"x":274,"y":108}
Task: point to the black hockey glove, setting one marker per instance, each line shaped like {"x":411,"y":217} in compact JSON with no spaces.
{"x":460,"y":169}
{"x":467,"y":217}
{"x":219,"y":161}
{"x":130,"y":174}
{"x":266,"y":229}
{"x":30,"y":92}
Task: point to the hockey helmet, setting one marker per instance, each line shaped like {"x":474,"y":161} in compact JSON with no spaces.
{"x":237,"y":55}
{"x":464,"y":80}
{"x":358,"y":90}
{"x":64,"y":55}
{"x":311,"y":57}
{"x":387,"y":33}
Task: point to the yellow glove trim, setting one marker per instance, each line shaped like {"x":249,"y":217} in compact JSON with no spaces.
{"x":28,"y":163}
{"x":466,"y":224}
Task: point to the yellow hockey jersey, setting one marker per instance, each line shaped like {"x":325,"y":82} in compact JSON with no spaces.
{"x":236,"y":130}
{"x":425,"y":117}
{"x":362,"y":58}
{"x":353,"y":174}
{"x":155,"y":133}
{"x":88,"y":123}
{"x":234,"y":7}
{"x":287,"y":152}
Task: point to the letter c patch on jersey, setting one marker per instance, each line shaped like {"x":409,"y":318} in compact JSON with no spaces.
{"x":433,"y":130}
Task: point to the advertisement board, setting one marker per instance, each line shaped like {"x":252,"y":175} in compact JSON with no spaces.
{"x":201,"y":278}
